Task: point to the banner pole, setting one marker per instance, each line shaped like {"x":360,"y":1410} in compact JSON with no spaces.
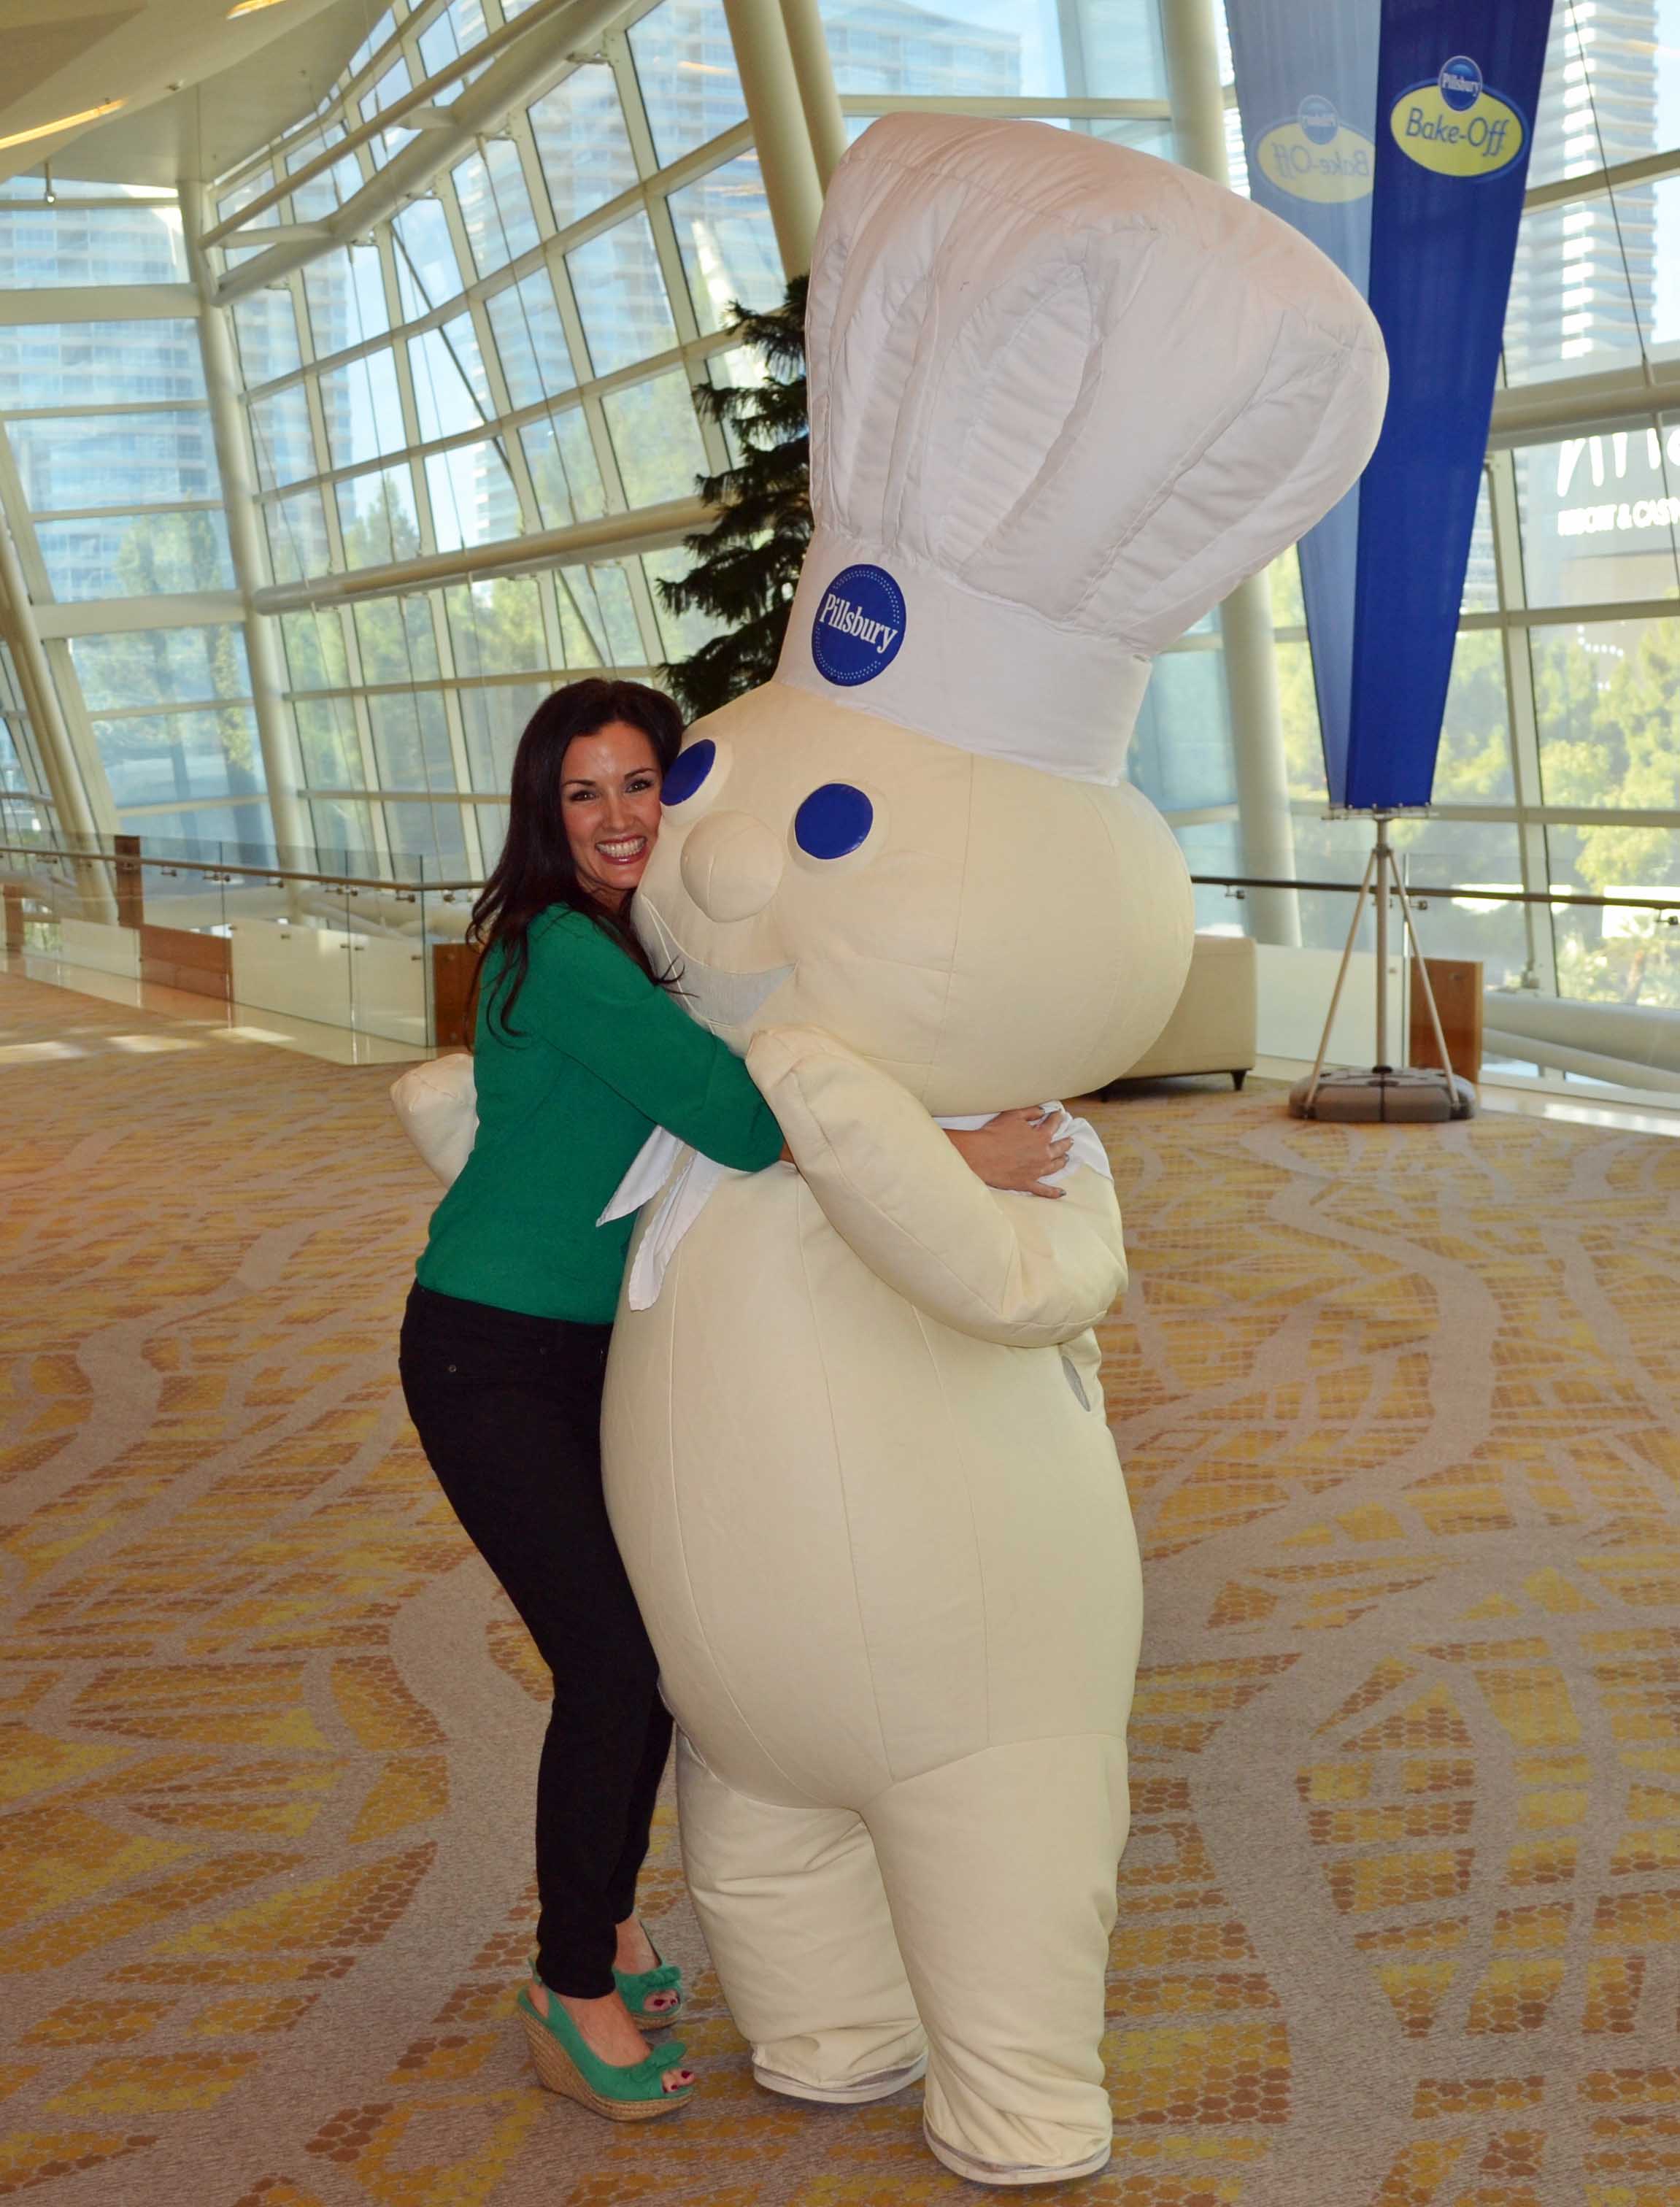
{"x":1382,"y":855}
{"x":1382,"y":1092}
{"x":1318,"y":1074}
{"x":1421,"y":966}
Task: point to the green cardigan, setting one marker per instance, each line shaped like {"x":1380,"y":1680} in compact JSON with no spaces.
{"x":599,"y":1057}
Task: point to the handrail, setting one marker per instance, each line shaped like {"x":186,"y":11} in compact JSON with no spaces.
{"x":228,"y":870}
{"x":1468,"y":894}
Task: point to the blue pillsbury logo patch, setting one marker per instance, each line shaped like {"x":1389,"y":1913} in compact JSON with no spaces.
{"x":860,"y":626}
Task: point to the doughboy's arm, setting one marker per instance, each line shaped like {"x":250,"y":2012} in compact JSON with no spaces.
{"x":1007,"y":1268}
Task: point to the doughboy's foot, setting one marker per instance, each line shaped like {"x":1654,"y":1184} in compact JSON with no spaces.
{"x":1002,"y":2172}
{"x":880,"y":2084}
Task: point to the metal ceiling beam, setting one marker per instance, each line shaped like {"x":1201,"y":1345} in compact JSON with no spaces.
{"x":1583,"y":405}
{"x":528,"y":66}
{"x":100,"y":302}
{"x":413,"y":111}
{"x":1647,"y":169}
{"x":613,"y":536}
{"x":786,"y":158}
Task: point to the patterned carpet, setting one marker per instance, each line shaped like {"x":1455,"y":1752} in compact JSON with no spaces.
{"x":1401,"y":1915}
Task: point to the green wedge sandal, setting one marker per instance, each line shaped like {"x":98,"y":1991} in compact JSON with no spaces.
{"x":635,"y":1986}
{"x":567,"y":2063}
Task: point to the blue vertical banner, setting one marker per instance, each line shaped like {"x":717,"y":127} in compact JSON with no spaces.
{"x":1396,"y":135}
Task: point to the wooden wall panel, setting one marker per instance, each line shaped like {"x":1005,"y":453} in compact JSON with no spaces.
{"x":453,"y":966}
{"x":179,"y":958}
{"x":130,"y":882}
{"x":1457,"y":983}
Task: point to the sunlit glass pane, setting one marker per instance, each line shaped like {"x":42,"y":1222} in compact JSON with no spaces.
{"x":428,"y":271}
{"x":116,"y":459}
{"x":327,"y":738}
{"x":99,"y":363}
{"x":621,"y":296}
{"x":655,"y":438}
{"x":495,"y":206}
{"x":1473,"y":765}
{"x":729,"y":246}
{"x":161,"y":666}
{"x":685,"y":66}
{"x":265,"y":329}
{"x":431,"y":832}
{"x":297,"y":541}
{"x":1600,"y":518}
{"x":496,"y":627}
{"x":136,"y":556}
{"x":363,"y":411}
{"x":376,"y":513}
{"x":492,"y":720}
{"x":345,"y":292}
{"x":472,"y":495}
{"x":536,"y":360}
{"x":564,"y":473}
{"x":598,"y":617}
{"x":582,"y":144}
{"x":411,"y":740}
{"x":396,"y":639}
{"x":165,"y":756}
{"x":999,"y":49}
{"x":282,"y":437}
{"x":1607,"y":704}
{"x":135,"y":244}
{"x":456,"y":32}
{"x":450,"y":392}
{"x":315,"y":645}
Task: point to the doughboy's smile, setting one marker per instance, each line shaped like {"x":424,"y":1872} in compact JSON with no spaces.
{"x":719,"y":998}
{"x":713,"y":995}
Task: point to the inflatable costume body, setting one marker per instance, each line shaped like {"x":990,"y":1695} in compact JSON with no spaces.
{"x":1064,"y":396}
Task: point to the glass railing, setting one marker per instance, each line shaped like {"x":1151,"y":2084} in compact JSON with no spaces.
{"x":368,"y":942}
{"x":1576,"y":985}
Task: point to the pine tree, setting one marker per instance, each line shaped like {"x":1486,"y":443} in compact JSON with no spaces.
{"x":746,"y":567}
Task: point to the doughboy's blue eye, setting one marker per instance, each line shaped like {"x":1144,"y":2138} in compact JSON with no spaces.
{"x":834,"y":821}
{"x":688,"y":770}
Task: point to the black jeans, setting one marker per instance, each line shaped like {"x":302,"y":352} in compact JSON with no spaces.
{"x":508,"y":1411}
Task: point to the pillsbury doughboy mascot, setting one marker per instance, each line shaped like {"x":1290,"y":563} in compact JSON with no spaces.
{"x":1063,"y":398}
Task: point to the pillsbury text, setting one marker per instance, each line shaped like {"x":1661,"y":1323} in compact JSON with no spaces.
{"x":840,"y":613}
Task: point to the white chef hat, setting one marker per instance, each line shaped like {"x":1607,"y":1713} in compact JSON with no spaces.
{"x":1064,"y":396}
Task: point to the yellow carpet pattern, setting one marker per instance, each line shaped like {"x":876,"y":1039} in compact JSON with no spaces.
{"x":1400,"y":1921}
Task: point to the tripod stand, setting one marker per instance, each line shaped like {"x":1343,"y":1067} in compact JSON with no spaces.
{"x":1414,"y":1093}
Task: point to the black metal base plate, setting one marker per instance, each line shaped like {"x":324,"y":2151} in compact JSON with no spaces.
{"x":1409,"y":1095}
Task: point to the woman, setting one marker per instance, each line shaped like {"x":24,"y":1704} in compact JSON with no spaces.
{"x":580,"y":1051}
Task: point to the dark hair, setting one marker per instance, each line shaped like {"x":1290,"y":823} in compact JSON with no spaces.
{"x":536,"y":869}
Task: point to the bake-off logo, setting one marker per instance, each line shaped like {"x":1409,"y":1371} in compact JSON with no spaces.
{"x":1315,"y":155}
{"x":859,"y":625}
{"x":1456,"y":124}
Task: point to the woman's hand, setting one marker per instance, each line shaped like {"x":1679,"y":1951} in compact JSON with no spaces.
{"x":1018,"y":1149}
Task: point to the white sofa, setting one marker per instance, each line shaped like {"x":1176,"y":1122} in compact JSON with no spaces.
{"x":1212,"y":1027}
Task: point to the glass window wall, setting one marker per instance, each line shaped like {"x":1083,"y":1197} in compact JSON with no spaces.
{"x":515,"y":351}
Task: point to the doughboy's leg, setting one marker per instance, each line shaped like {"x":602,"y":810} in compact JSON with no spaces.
{"x":792,"y":1905}
{"x":1001,"y":1868}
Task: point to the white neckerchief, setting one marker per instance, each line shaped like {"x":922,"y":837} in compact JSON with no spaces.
{"x":688,"y":1192}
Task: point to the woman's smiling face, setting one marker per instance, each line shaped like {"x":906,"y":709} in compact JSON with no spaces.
{"x":609,"y":796}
